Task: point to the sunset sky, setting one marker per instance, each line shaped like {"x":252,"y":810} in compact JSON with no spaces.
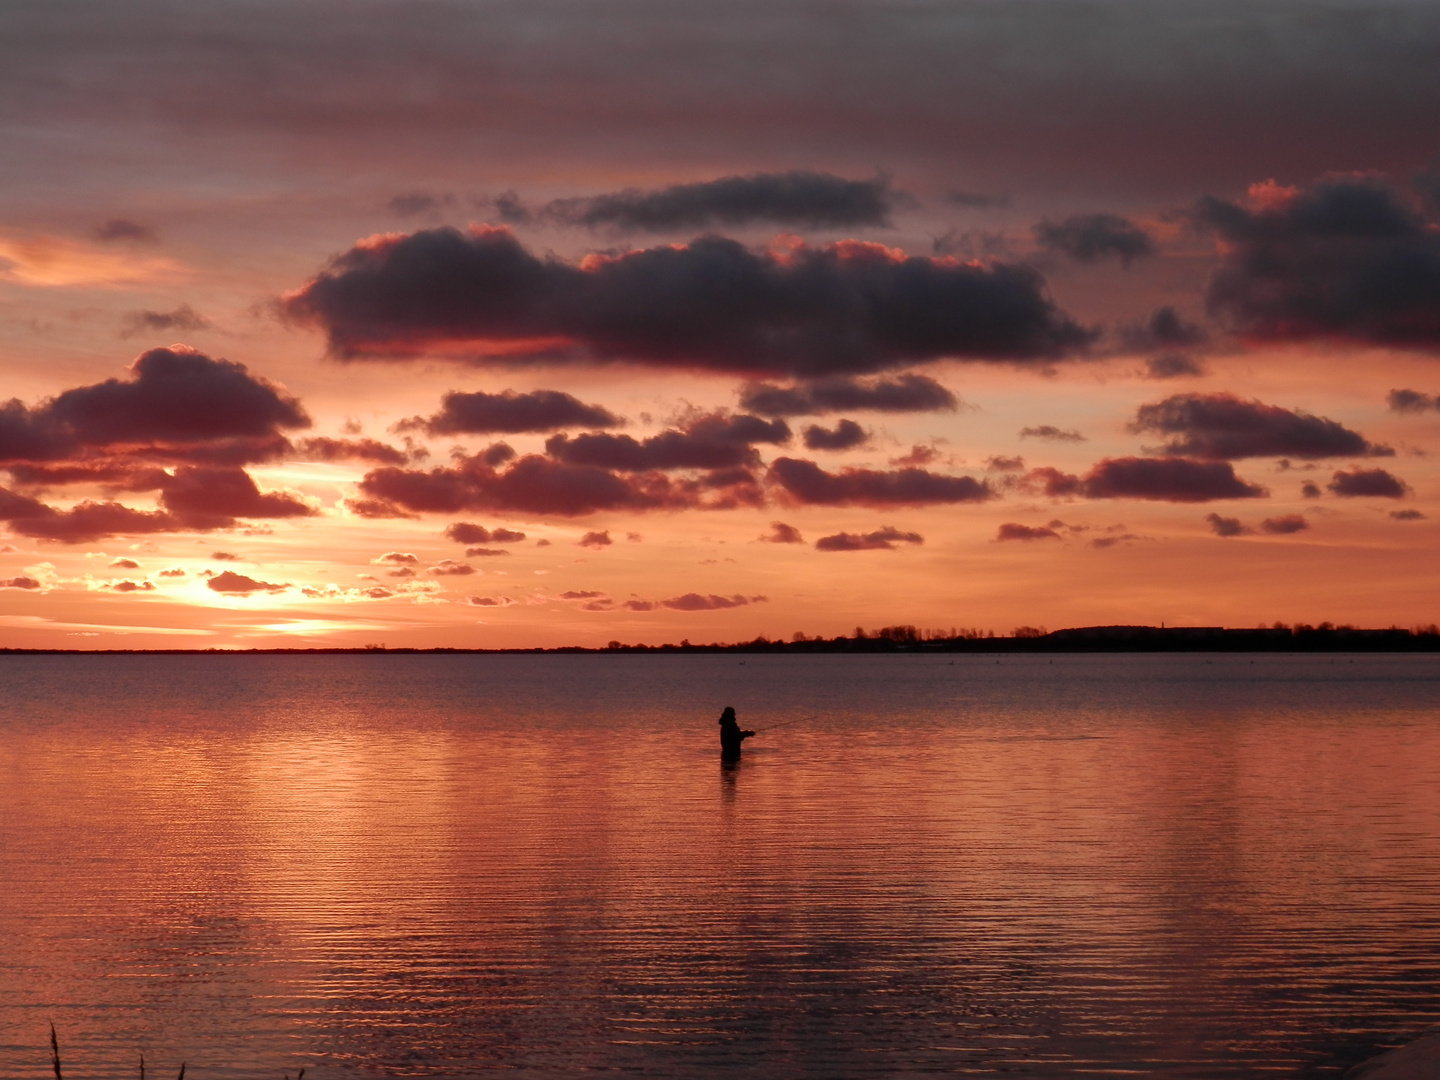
{"x":533,"y":323}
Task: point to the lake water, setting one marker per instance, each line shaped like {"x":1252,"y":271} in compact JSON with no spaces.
{"x":446,"y":866}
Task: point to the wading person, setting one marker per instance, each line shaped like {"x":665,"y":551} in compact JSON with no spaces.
{"x":731,"y":736}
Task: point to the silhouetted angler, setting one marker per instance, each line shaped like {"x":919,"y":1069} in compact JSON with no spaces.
{"x":731,"y":736}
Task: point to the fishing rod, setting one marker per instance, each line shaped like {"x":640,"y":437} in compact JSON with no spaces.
{"x":786,"y":723}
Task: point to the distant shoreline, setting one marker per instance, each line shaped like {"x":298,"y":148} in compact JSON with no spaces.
{"x":905,"y":639}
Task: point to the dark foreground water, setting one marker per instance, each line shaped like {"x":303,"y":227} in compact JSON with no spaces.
{"x":1178,"y":866}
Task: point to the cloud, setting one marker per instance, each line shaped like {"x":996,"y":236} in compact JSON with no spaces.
{"x":883,"y":539}
{"x":27,"y":583}
{"x":1346,"y":259}
{"x":902,"y":394}
{"x":1310,"y":490}
{"x":124,"y":229}
{"x":846,"y":435}
{"x":581,"y":594}
{"x":1407,"y":515}
{"x":124,"y":564}
{"x":235,"y":584}
{"x":1226,"y":526}
{"x":1411,"y":401}
{"x":396,"y":558}
{"x":1012,"y":531}
{"x":532,"y":485}
{"x":224,"y":556}
{"x":127,"y":586}
{"x":1050,"y":433}
{"x":1091,"y":237}
{"x":780,"y":533}
{"x":714,"y":441}
{"x":1367,"y":482}
{"x":451,"y":568}
{"x":490,"y":601}
{"x":413,"y":204}
{"x":210,"y":498}
{"x":179,"y":404}
{"x":1165,"y":329}
{"x":182,"y":318}
{"x":465,"y":532}
{"x":323,"y":448}
{"x":696,"y":602}
{"x":484,"y":552}
{"x":596,"y":540}
{"x":173,"y":572}
{"x":1001,"y":463}
{"x":82,"y":523}
{"x":1173,"y":366}
{"x":840,"y":309}
{"x":806,"y":483}
{"x":1156,"y":479}
{"x":1285,"y":524}
{"x":1224,"y":427}
{"x":803,"y":200}
{"x":510,"y":413}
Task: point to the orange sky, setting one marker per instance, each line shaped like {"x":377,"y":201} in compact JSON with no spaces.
{"x":1062,"y":255}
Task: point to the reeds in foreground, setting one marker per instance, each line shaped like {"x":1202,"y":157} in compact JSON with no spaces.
{"x":60,"y":1074}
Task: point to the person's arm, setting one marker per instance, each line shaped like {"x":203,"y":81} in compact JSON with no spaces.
{"x":746,"y":734}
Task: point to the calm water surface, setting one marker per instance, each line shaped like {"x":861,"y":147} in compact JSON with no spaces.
{"x":440,"y":866}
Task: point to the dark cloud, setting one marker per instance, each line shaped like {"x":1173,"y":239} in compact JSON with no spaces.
{"x":1158,"y":479}
{"x":840,"y":309}
{"x":19,"y":583}
{"x":629,"y":605}
{"x":543,"y":486}
{"x":803,"y":200}
{"x":1226,"y":526}
{"x":451,"y":568}
{"x":780,"y":533}
{"x":716,"y":441}
{"x":127,"y":586}
{"x":1012,"y":531}
{"x":484,"y":552}
{"x":375,"y":509}
{"x":1410,"y":401}
{"x":1090,"y":237}
{"x":1224,"y":427}
{"x":807,"y":483}
{"x":1001,"y":463}
{"x":465,"y":532}
{"x":489,"y":601}
{"x":124,"y":564}
{"x":1051,"y":434}
{"x":1407,"y":515}
{"x":124,"y":229}
{"x":1375,"y":483}
{"x":1310,"y":490}
{"x":880,"y":540}
{"x":206,"y":498}
{"x":1165,"y":329}
{"x":510,"y":413}
{"x":182,"y":318}
{"x":1284,"y":525}
{"x":1173,"y":366}
{"x":396,"y":558}
{"x":902,"y":394}
{"x":323,"y":448}
{"x":846,"y":435}
{"x":586,"y":594}
{"x":224,"y":556}
{"x":239,"y":585}
{"x":82,"y":523}
{"x":1347,"y":259}
{"x":173,"y":572}
{"x":596,"y":540}
{"x":696,"y":602}
{"x":179,"y":404}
